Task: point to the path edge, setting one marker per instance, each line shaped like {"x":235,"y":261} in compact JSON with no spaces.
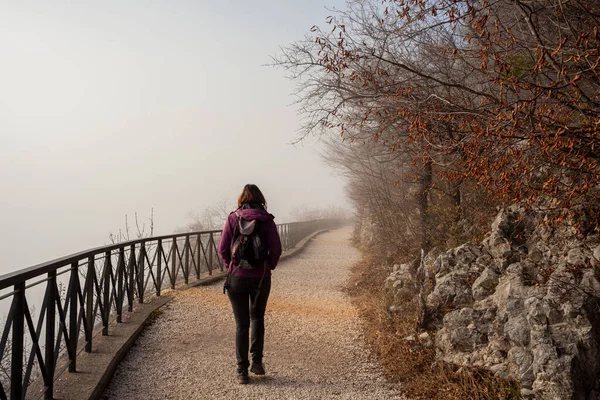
{"x":299,"y":248}
{"x":94,"y":374}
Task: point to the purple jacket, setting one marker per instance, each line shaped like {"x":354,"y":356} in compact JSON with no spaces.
{"x":268,"y":233}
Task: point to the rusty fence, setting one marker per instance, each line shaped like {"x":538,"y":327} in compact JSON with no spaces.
{"x":58,"y":307}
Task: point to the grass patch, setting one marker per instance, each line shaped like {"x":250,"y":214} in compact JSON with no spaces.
{"x":154,"y":315}
{"x":405,"y":362}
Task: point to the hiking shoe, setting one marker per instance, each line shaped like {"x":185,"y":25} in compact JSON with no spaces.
{"x":257,"y":368}
{"x":243,"y":378}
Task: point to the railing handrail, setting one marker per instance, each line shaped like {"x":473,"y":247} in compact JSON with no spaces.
{"x":34,"y":271}
{"x":21,"y":275}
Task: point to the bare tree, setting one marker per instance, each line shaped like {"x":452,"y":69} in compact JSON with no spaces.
{"x":305,"y":212}
{"x":140,"y":230}
{"x":211,"y":218}
{"x":502,"y":93}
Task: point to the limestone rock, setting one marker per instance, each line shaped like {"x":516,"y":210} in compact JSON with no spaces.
{"x":403,"y":284}
{"x":596,"y":254}
{"x":576,"y":257}
{"x":525,"y":304}
{"x":425,"y":339}
{"x":485,"y":284}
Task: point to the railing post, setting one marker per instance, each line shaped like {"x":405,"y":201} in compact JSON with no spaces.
{"x":18,"y":331}
{"x":120,"y":291}
{"x":159,"y":267}
{"x":131,"y":277}
{"x":73,"y":312}
{"x":199,"y":257}
{"x":210,"y":253}
{"x":50,"y":336}
{"x":186,"y":268}
{"x":173,"y":262}
{"x":286,"y":234}
{"x":140,"y":276}
{"x":89,"y":303}
{"x":106,"y":293}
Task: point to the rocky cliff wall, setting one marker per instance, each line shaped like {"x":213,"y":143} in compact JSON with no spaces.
{"x":524,"y":303}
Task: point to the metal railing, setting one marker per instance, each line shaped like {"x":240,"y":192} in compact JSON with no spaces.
{"x":80,"y":295}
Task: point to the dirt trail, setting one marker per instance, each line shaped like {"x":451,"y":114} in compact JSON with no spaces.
{"x":313,"y":343}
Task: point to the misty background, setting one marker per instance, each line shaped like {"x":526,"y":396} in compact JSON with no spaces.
{"x":111,"y":108}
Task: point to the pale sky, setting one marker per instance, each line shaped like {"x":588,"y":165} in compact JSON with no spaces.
{"x":113,"y":107}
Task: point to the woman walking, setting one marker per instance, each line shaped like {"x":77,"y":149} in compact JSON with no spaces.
{"x":250,"y":248}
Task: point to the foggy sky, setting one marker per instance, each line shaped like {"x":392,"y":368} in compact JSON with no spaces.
{"x":115,"y":107}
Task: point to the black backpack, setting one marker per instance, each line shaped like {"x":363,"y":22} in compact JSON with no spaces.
{"x":247,"y":248}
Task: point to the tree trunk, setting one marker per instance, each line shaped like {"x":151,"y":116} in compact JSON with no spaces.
{"x":425,"y":183}
{"x":456,"y":203}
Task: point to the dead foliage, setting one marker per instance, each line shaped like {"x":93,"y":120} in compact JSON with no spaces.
{"x":408,"y":363}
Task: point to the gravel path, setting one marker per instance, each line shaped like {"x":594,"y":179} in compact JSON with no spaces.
{"x":313,"y":343}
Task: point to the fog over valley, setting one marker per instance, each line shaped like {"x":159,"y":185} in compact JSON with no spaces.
{"x":117,"y":108}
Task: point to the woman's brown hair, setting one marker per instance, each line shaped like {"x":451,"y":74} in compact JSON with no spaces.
{"x":251,"y":194}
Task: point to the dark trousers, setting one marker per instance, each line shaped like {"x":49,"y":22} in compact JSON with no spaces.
{"x":243,"y":294}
